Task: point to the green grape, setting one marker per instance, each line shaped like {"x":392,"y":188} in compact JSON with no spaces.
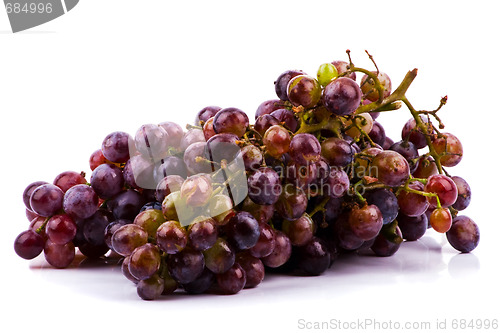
{"x":326,"y":73}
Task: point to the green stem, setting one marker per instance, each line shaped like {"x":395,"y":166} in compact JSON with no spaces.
{"x":42,"y":227}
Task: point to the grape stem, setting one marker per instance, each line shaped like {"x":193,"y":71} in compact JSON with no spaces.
{"x":42,"y":227}
{"x":407,"y":188}
{"x":420,"y":124}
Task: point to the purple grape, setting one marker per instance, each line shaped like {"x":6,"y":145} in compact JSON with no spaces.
{"x":313,"y":257}
{"x":46,"y":200}
{"x":68,"y":179}
{"x":342,"y":96}
{"x":28,"y":245}
{"x":28,"y":191}
{"x":115,"y":147}
{"x":242,"y":231}
{"x":138,"y":173}
{"x":412,"y":228}
{"x":463,"y":234}
{"x":232,"y":281}
{"x":263,"y":123}
{"x":305,"y":149}
{"x":264,"y":186}
{"x":186,"y":265}
{"x":337,"y":152}
{"x":231,"y":120}
{"x":281,"y":83}
{"x":464,"y":193}
{"x":80,"y":201}
{"x":206,"y":113}
{"x":126,"y":205}
{"x":107,"y":180}
{"x":286,"y":118}
{"x":269,"y":106}
{"x":168,"y":185}
{"x":386,"y":202}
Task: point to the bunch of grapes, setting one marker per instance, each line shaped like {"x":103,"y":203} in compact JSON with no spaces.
{"x":210,"y":209}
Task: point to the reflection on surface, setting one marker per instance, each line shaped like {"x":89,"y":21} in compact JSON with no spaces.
{"x":420,"y":262}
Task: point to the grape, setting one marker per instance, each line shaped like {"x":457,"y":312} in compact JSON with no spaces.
{"x":313,"y":257}
{"x":333,"y":209}
{"x":110,"y":230}
{"x":174,"y":133}
{"x":412,"y":204}
{"x":152,"y":141}
{"x":196,"y":190}
{"x":342,"y":96}
{"x":205,"y":114}
{"x":408,"y":151}
{"x":384,"y":247}
{"x":414,"y":134}
{"x":171,"y":237}
{"x":286,"y":118}
{"x":126,"y":205}
{"x":337,"y":152}
{"x":277,"y":141}
{"x":253,"y":267}
{"x":364,"y":121}
{"x":337,"y":183}
{"x":220,"y":207}
{"x":267,"y":107}
{"x":171,"y":165}
{"x":305,"y":149}
{"x":195,"y":158}
{"x":301,"y":175}
{"x":292,"y":203}
{"x":450,"y":145}
{"x":186,"y":265}
{"x":262,"y":213}
{"x":281,"y":83}
{"x":150,"y":220}
{"x":281,"y":252}
{"x":115,"y":147}
{"x":464,"y":193}
{"x":263,"y":123}
{"x":28,"y":191}
{"x":345,"y":236}
{"x":202,"y":234}
{"x":365,"y":222}
{"x":231,"y":120}
{"x":191,"y":136}
{"x":370,"y":91}
{"x":463,"y":234}
{"x":242,"y":231}
{"x":441,"y":220}
{"x":96,"y":159}
{"x":342,"y":67}
{"x":392,"y":169}
{"x":386,"y":202}
{"x":94,"y":227}
{"x":208,"y":128}
{"x":304,"y":90}
{"x":127,"y":238}
{"x":252,"y":157}
{"x":201,"y":284}
{"x":264,"y":186}
{"x":445,"y":189}
{"x":151,"y":205}
{"x":232,"y":281}
{"x":387,"y":143}
{"x":126,"y":272}
{"x":28,"y":244}
{"x":46,"y":200}
{"x":107,"y":180}
{"x":144,"y":261}
{"x":59,"y":255}
{"x":220,"y":257}
{"x":139,"y":172}
{"x":326,"y":73}
{"x":167,"y":185}
{"x":322,"y":170}
{"x":61,"y":229}
{"x":151,"y":288}
{"x":377,"y":134}
{"x":169,"y":284}
{"x":30,"y":215}
{"x":68,"y":179}
{"x":222,"y":147}
{"x":299,"y":231}
{"x":266,"y":242}
{"x":426,"y":167}
{"x":412,"y":228}
{"x":80,"y":201}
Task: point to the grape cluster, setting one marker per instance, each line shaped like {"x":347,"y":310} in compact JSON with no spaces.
{"x":210,"y":209}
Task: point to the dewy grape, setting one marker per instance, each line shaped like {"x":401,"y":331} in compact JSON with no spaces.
{"x":213,"y":207}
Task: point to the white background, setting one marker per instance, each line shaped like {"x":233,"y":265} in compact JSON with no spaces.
{"x":115,"y":64}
